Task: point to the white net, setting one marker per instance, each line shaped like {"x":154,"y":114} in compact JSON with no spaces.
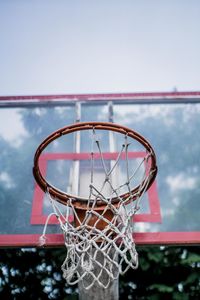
{"x":99,"y":241}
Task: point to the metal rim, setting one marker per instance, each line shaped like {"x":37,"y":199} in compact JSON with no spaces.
{"x":80,"y":202}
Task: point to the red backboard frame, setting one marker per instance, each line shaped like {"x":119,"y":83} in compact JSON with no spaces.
{"x":37,"y":216}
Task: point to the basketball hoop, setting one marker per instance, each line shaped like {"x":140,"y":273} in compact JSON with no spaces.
{"x":99,"y":242}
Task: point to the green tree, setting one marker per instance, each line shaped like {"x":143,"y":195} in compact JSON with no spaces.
{"x":163,"y":273}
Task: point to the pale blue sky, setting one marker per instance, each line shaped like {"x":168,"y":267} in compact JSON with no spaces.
{"x":88,"y":46}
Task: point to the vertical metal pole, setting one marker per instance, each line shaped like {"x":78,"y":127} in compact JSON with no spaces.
{"x":77,"y":146}
{"x":112,"y":146}
{"x":97,"y":292}
{"x":72,"y":187}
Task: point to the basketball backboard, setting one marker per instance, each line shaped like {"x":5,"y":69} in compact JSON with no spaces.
{"x":169,"y":212}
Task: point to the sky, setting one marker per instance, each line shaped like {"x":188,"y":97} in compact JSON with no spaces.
{"x":74,"y":47}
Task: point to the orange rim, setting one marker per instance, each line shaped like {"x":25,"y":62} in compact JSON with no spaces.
{"x":80,"y":202}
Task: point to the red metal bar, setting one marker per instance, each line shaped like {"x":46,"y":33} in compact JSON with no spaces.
{"x":142,"y":238}
{"x":99,"y":97}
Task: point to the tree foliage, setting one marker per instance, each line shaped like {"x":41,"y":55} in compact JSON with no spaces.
{"x":163,"y":273}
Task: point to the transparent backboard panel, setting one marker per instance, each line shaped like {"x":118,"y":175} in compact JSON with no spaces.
{"x":173,"y":130}
{"x":169,"y":211}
